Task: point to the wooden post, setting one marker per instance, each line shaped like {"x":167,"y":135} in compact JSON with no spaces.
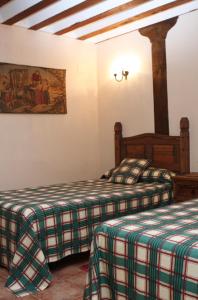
{"x":184,"y":145}
{"x":157,"y":34}
{"x":118,"y":141}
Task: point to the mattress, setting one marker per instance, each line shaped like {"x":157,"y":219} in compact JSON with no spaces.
{"x":149,"y":255}
{"x":42,"y":225}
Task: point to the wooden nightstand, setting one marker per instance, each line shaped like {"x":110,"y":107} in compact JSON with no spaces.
{"x":185,"y":186}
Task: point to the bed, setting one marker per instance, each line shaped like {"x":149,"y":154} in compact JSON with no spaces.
{"x":44,"y":224}
{"x":149,"y":255}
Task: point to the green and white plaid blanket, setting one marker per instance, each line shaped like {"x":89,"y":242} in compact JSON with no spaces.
{"x":45,"y":224}
{"x":146,"y":256}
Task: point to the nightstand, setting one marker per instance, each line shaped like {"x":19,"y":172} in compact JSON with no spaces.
{"x":185,"y":186}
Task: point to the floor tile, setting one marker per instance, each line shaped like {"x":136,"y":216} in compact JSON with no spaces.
{"x":67,"y":284}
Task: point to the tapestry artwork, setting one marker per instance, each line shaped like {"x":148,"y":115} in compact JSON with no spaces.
{"x":29,"y":89}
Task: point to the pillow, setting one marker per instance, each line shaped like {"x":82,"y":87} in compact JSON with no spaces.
{"x":107,"y":174}
{"x":129,"y":171}
{"x":156,"y":175}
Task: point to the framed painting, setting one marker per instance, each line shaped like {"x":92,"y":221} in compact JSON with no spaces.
{"x":29,"y":89}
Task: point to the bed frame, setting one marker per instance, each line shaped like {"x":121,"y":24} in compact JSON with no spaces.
{"x":170,"y":152}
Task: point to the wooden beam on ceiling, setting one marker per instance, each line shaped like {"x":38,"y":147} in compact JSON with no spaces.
{"x":66,"y":13}
{"x":103,"y":15}
{"x":29,"y":11}
{"x":3,"y":2}
{"x":135,"y":18}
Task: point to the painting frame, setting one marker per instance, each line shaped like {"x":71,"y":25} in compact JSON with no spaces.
{"x":32,"y":89}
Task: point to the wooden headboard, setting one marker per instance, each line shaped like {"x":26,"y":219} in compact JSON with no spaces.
{"x":170,"y":152}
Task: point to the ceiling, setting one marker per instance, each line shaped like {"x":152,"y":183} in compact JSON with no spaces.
{"x":90,"y":20}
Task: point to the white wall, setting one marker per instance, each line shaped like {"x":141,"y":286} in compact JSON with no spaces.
{"x":131,"y":101}
{"x":45,"y":149}
{"x":182,"y":64}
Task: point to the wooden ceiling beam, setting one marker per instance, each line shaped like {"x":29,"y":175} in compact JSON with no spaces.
{"x":135,"y":18}
{"x":29,"y":11}
{"x":3,"y":2}
{"x":66,"y":13}
{"x":103,"y":15}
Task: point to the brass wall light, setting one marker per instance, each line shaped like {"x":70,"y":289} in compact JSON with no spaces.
{"x":124,"y":76}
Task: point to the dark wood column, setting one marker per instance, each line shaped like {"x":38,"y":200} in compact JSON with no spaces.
{"x":157,"y":34}
{"x":118,"y":143}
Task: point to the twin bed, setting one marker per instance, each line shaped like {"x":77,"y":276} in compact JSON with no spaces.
{"x":152,"y":254}
{"x":149,"y":255}
{"x":42,"y":225}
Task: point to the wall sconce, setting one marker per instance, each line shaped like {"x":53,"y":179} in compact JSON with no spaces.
{"x":124,"y":76}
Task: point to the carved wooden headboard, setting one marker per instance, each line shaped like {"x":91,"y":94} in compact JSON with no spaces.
{"x":170,"y":152}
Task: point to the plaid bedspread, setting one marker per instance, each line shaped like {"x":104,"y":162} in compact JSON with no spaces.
{"x":149,"y":255}
{"x":43,"y":225}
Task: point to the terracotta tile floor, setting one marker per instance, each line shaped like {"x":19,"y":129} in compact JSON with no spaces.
{"x":67,"y":284}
